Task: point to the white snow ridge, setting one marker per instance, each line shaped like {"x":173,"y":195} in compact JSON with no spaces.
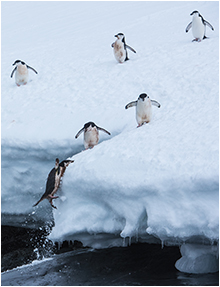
{"x":156,"y":182}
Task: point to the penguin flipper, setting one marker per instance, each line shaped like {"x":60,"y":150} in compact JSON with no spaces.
{"x":130,"y":48}
{"x":113,"y":44}
{"x":101,"y":129}
{"x":79,"y":132}
{"x":188,"y":27}
{"x":131,"y":104}
{"x":208,"y":24}
{"x":155,"y":103}
{"x":13,"y":71}
{"x":32,"y":69}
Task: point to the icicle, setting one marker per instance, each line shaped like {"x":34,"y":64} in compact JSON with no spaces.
{"x":162,"y":244}
{"x":123,"y":244}
{"x":129,"y":241}
{"x":137,"y":235}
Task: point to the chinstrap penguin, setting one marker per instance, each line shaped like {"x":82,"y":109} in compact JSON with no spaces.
{"x":198,"y":26}
{"x":21,"y":72}
{"x":120,"y":48}
{"x":143,"y":108}
{"x":53,"y":181}
{"x":91,"y":134}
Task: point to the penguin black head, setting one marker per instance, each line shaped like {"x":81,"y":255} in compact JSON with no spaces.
{"x":194,"y":12}
{"x":18,"y":61}
{"x":120,"y":36}
{"x":143,"y":96}
{"x":85,"y":128}
{"x":65,"y":163}
{"x":89,"y":124}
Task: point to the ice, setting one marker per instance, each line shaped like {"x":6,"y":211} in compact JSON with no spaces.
{"x":198,"y":259}
{"x":159,"y":182}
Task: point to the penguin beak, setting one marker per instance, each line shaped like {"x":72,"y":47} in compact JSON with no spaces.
{"x":116,"y":36}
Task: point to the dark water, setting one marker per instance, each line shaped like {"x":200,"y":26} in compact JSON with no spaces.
{"x":138,"y":264}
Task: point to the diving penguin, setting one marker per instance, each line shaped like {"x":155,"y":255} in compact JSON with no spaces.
{"x":198,"y":26}
{"x":143,"y":108}
{"x":21,"y":72}
{"x":53,"y":181}
{"x":120,"y":48}
{"x":91,"y":134}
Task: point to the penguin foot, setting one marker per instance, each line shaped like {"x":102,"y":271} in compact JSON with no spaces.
{"x":18,"y":85}
{"x":140,"y":125}
{"x":196,"y":40}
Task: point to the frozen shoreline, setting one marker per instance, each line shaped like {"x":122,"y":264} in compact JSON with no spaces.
{"x":138,"y":264}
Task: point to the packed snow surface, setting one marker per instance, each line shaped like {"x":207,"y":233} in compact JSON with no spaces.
{"x":158,"y":180}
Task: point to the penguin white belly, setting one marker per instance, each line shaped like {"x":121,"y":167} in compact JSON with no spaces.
{"x":91,"y":138}
{"x":198,"y":29}
{"x":119,"y":52}
{"x":143,"y":112}
{"x":21,"y":76}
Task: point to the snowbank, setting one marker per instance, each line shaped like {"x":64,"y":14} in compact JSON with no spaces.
{"x":159,"y":180}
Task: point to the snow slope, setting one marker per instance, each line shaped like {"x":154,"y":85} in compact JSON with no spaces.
{"x":161,"y":179}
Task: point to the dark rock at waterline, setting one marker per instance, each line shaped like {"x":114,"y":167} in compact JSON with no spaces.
{"x":21,"y":246}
